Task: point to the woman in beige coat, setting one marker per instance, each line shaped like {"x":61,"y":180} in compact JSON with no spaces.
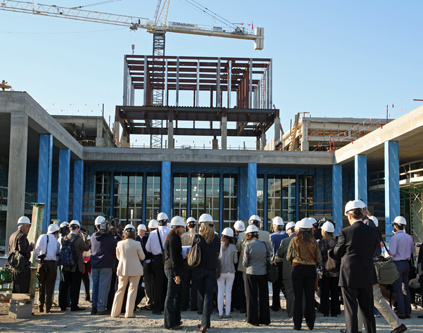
{"x":129,"y":253}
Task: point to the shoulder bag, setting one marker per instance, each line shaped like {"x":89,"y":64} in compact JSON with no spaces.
{"x":194,"y":254}
{"x":18,"y":261}
{"x":386,"y":270}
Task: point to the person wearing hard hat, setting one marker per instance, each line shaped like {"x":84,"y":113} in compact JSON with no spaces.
{"x":228,"y":257}
{"x":276,"y":238}
{"x":286,"y":268}
{"x":103,"y":247}
{"x":256,"y":255}
{"x":205,"y":272}
{"x":173,"y":269}
{"x":189,"y":283}
{"x":155,"y":245}
{"x":401,"y":249}
{"x":46,"y":252}
{"x":19,"y":241}
{"x":304,"y":255}
{"x":238,"y":290}
{"x":129,"y":270}
{"x":356,"y":245}
{"x":330,"y":279}
{"x":72,"y":274}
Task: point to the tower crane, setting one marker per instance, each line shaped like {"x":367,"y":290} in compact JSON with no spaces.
{"x":158,"y":27}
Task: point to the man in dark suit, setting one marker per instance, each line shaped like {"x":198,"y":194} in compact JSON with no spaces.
{"x":356,"y":245}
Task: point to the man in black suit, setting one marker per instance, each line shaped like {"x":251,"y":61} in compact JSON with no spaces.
{"x":356,"y":245}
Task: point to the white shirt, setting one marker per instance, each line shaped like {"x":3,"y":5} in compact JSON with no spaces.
{"x":153,"y":245}
{"x":41,"y":246}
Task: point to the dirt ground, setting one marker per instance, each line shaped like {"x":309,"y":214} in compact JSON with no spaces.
{"x":145,"y":321}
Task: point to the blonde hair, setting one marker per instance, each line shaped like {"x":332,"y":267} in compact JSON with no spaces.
{"x":327,"y":235}
{"x":207,"y":231}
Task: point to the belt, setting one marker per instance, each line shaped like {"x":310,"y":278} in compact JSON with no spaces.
{"x":403,"y":260}
{"x":49,"y":260}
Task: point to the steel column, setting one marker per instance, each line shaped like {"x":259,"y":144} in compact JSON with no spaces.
{"x":360,"y":177}
{"x":146,"y":73}
{"x":64,"y":185}
{"x":45,"y":165}
{"x":337,"y":197}
{"x":392,"y":193}
{"x":229,"y":83}
{"x":218,"y":99}
{"x":250,"y":85}
{"x":177,"y":81}
{"x":252,"y":189}
{"x":78,"y":189}
{"x":165,"y":188}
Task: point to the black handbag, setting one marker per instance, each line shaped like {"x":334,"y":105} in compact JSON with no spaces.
{"x":18,"y":261}
{"x":272,"y":269}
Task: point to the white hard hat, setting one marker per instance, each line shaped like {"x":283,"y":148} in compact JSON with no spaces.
{"x":254,"y":218}
{"x":228,"y":232}
{"x":141,"y":227}
{"x":99,"y":220}
{"x":375,"y":220}
{"x":24,"y":220}
{"x":305,"y":223}
{"x":153,"y":224}
{"x":297,"y":225}
{"x":129,"y":227}
{"x":52,"y":228}
{"x":88,"y":237}
{"x":313,"y":220}
{"x":64,"y":224}
{"x":251,"y":228}
{"x":354,"y":204}
{"x":162,"y":216}
{"x":239,"y":226}
{"x":400,"y":220}
{"x":74,"y":222}
{"x":177,"y":221}
{"x":277,"y":220}
{"x":290,"y":225}
{"x":207,"y":218}
{"x":191,"y":219}
{"x":328,"y":227}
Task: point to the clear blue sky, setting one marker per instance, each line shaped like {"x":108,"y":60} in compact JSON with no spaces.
{"x":331,"y":58}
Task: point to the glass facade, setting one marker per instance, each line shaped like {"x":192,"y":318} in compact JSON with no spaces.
{"x":127,"y":195}
{"x":306,"y":204}
{"x":102,"y":193}
{"x":280,"y":198}
{"x":153,"y":197}
{"x":230,"y":200}
{"x":180,"y":196}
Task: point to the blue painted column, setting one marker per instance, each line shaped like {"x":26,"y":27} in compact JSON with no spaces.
{"x":360,"y":177}
{"x":243,"y":194}
{"x":392,"y":193}
{"x":45,"y":165}
{"x":78,"y":189}
{"x":165,"y":188}
{"x":63,"y":188}
{"x":252,"y":189}
{"x":337,"y":197}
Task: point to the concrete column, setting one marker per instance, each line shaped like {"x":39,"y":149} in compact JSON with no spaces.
{"x":215,"y":144}
{"x":277,"y":123}
{"x":170,"y":141}
{"x":45,"y":165}
{"x":165,"y":189}
{"x":116,"y":127}
{"x":337,"y":197}
{"x":17,"y":171}
{"x":78,"y":189}
{"x":258,"y":143}
{"x":252,"y":189}
{"x":392,"y":193}
{"x":304,"y":137}
{"x":99,"y":141}
{"x":263,"y":140}
{"x":63,"y":187}
{"x":360,"y":177}
{"x":224,"y":131}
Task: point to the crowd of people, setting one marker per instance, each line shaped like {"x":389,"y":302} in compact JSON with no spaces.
{"x":177,"y":267}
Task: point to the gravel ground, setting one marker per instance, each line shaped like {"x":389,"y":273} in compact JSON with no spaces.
{"x":144,"y":321}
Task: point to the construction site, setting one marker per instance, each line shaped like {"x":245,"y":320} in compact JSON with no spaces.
{"x":81,"y":167}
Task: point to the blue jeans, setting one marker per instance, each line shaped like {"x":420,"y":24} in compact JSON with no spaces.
{"x":172,"y":307}
{"x":401,"y":289}
{"x":101,"y":286}
{"x":206,"y":281}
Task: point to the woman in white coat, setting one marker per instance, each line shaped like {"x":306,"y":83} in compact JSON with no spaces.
{"x":129,"y":253}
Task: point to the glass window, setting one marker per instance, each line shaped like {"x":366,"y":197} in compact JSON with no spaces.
{"x":127,"y":192}
{"x":260,"y":197}
{"x":153,"y":196}
{"x":180,"y":195}
{"x":230,"y":207}
{"x":306,"y":204}
{"x":102,"y":193}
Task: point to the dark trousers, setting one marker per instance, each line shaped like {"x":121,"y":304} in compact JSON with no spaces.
{"x":21,"y":282}
{"x":354,"y":297}
{"x":72,"y":279}
{"x":257,"y":300}
{"x":190,"y":288}
{"x":303,"y":282}
{"x":329,"y":286}
{"x":401,"y":288}
{"x":86,"y":281}
{"x":238,"y":292}
{"x":160,"y":284}
{"x":172,"y":308}
{"x":46,"y":283}
{"x":112,"y":291}
{"x":277,"y":288}
{"x":206,"y":281}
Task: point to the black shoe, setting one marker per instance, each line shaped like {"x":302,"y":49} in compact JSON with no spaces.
{"x":62,"y":309}
{"x":400,"y":329}
{"x":94,"y":310}
{"x":194,"y":308}
{"x":343,"y":330}
{"x":421,"y":316}
{"x":159,"y":313}
{"x":104,"y":312}
{"x":242,"y":310}
{"x":41,"y":308}
{"x":78,"y":309}
{"x":297,"y":328}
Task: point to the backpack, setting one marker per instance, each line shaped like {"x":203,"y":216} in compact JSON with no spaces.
{"x":68,"y":257}
{"x":194,"y":255}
